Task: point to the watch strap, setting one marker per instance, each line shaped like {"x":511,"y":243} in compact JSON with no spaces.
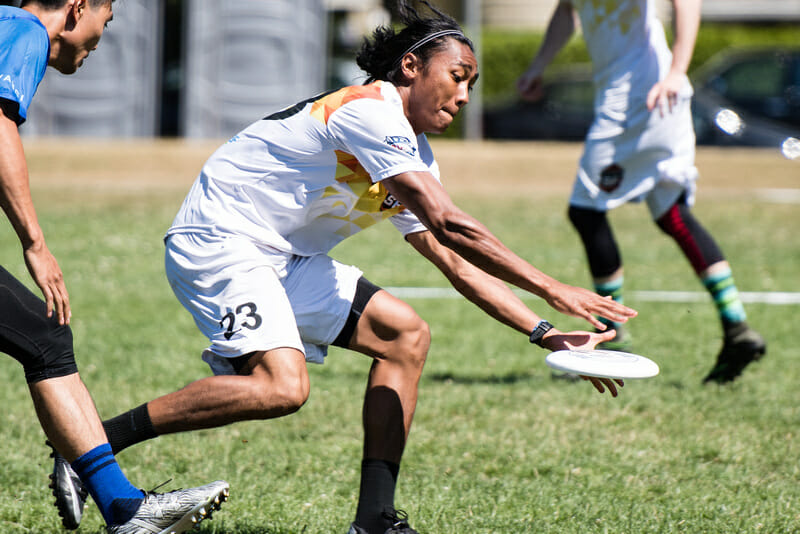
{"x":538,"y":333}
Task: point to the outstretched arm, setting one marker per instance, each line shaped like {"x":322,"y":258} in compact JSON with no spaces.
{"x":495,"y":298}
{"x":15,"y":198}
{"x":472,"y":241}
{"x":687,"y":23}
{"x":559,"y":31}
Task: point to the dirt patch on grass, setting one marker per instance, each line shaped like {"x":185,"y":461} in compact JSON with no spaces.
{"x":468,"y":168}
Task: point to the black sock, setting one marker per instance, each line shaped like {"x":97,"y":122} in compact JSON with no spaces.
{"x":129,"y":429}
{"x":378,"y":480}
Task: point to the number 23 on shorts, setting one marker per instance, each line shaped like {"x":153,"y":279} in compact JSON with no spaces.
{"x":245,"y":315}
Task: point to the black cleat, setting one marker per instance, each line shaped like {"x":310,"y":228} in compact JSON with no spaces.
{"x":69,"y":491}
{"x":741,"y":346}
{"x":399,"y":523}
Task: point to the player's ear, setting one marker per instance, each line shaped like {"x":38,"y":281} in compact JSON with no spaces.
{"x":75,"y":9}
{"x":410,"y":66}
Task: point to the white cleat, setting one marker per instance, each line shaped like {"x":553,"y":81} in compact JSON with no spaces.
{"x":174,"y":512}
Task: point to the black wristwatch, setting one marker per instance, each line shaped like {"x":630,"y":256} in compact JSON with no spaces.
{"x":538,"y":333}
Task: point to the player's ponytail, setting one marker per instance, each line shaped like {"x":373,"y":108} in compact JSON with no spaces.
{"x":380,"y":56}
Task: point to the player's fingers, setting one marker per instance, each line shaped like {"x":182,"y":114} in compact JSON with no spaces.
{"x":612,"y":388}
{"x":59,"y":308}
{"x":611,"y":309}
{"x":594,"y":321}
{"x":49,"y":301}
{"x":672,"y":100}
{"x":608,"y":335}
{"x":609,"y":384}
{"x":62,"y":304}
{"x":652,"y":97}
{"x":595,"y":382}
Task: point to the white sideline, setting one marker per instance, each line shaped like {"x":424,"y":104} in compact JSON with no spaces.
{"x":772,"y":297}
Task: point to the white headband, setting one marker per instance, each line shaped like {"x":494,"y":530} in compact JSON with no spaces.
{"x":426,"y":40}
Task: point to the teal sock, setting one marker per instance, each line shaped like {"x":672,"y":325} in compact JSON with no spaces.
{"x":726,"y":297}
{"x":114,"y":495}
{"x":613,"y":289}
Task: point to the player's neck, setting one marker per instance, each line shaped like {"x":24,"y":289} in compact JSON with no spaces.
{"x":54,"y":20}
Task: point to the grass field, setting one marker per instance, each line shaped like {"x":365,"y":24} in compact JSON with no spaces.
{"x":497,"y":446}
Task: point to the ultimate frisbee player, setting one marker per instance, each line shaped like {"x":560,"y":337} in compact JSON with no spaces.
{"x":641,"y":146}
{"x":61,"y":33}
{"x":247,"y":255}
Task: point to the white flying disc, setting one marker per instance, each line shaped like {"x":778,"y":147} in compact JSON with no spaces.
{"x":602,"y":363}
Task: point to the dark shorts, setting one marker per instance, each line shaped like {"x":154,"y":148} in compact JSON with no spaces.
{"x":364,"y":292}
{"x":39,"y":343}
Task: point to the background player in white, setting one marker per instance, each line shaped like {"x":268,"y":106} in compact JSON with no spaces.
{"x":641,"y":145}
{"x":62,"y":33}
{"x":247,"y":256}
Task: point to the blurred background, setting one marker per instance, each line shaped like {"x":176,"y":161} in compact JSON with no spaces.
{"x":207,"y":68}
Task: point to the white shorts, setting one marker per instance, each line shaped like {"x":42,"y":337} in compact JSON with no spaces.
{"x":641,"y":156}
{"x":247,"y":298}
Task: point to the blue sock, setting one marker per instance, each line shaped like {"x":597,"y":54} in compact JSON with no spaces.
{"x":114,"y":495}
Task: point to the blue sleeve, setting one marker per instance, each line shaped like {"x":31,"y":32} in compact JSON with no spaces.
{"x":24,"y":51}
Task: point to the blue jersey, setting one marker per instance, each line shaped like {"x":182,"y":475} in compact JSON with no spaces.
{"x":24,"y":51}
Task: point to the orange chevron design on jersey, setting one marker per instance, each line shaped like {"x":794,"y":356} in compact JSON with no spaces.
{"x":322,"y":108}
{"x":372,"y":201}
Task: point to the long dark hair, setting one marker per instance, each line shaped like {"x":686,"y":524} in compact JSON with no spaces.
{"x":380,"y":55}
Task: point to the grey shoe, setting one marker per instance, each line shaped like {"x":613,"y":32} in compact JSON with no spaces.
{"x":174,"y":512}
{"x":69,"y":491}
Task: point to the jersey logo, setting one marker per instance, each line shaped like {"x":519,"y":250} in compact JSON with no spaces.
{"x":611,"y":177}
{"x":401,"y":143}
{"x":9,"y":81}
{"x":389,"y":202}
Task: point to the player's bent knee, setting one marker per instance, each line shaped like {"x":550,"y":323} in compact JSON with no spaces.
{"x":279,"y":382}
{"x":282,"y":396}
{"x":422,"y":340}
{"x":413,"y":343}
{"x":293,"y":394}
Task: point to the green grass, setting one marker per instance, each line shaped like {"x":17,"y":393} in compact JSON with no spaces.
{"x":497,"y":447}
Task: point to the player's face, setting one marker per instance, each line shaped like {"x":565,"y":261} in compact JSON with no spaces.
{"x":441,"y":88}
{"x":81,"y":35}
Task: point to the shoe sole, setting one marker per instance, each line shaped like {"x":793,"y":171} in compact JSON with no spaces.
{"x":70,"y":515}
{"x":66,"y":511}
{"x":200,"y":512}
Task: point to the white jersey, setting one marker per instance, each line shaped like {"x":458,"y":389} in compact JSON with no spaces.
{"x":632,"y":153}
{"x":305,"y":178}
{"x":629,"y":51}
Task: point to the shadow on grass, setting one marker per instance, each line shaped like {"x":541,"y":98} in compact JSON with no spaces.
{"x":221,"y":528}
{"x":510,"y":378}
